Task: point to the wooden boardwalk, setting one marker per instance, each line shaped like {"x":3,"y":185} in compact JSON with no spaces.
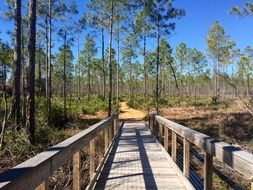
{"x":137,"y":161}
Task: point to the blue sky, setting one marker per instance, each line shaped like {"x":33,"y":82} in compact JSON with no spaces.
{"x":191,"y":29}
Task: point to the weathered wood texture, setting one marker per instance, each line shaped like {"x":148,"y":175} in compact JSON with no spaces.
{"x":92,"y":158}
{"x":31,"y":173}
{"x":174,"y":146}
{"x":208,"y":171}
{"x":239,"y":160}
{"x":186,"y":161}
{"x":166,"y":138}
{"x":77,"y":171}
{"x":137,"y":162}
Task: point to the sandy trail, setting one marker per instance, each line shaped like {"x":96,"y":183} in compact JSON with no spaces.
{"x":127,"y":113}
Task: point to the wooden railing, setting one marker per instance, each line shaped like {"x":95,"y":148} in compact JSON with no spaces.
{"x":237,"y":159}
{"x":34,"y":173}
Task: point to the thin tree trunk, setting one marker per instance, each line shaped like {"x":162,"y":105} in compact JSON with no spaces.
{"x":117,"y":100}
{"x":248,"y":80}
{"x":175,"y":77}
{"x":110,"y":60}
{"x":30,"y":121}
{"x":103,"y":61}
{"x":24,"y":77}
{"x":89,"y":79}
{"x":15,"y":111}
{"x":4,"y":123}
{"x":47,"y":62}
{"x":78,"y":68}
{"x":39,"y":68}
{"x":181,"y":79}
{"x":131,"y":79}
{"x":157,"y":67}
{"x":49,"y":71}
{"x":64,"y":75}
{"x":145,"y":66}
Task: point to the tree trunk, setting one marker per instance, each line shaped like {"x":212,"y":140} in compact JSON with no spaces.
{"x":181,"y":80}
{"x":39,"y":68}
{"x":5,"y":109}
{"x":117,"y":99}
{"x":248,"y":80}
{"x":30,"y":120}
{"x":17,"y":64}
{"x":24,"y":78}
{"x":64,"y":75}
{"x":110,"y":60}
{"x":157,"y":67}
{"x":89,"y":83}
{"x":103,"y":61}
{"x":175,"y":77}
{"x":47,"y":63}
{"x":49,"y":66}
{"x":145,"y":66}
{"x":131,"y":80}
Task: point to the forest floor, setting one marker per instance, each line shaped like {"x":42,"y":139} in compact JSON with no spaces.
{"x":232,"y":124}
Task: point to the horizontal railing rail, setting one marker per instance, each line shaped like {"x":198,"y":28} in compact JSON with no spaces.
{"x":237,"y":159}
{"x":34,"y":173}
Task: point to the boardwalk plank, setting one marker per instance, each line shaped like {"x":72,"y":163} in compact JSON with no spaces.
{"x":137,"y":162}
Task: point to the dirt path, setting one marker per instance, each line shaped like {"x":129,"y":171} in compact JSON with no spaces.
{"x":127,"y":113}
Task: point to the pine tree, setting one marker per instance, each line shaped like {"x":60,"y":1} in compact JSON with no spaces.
{"x":30,"y":118}
{"x":161,"y":13}
{"x":217,"y":46}
{"x":17,"y":63}
{"x":88,"y":53}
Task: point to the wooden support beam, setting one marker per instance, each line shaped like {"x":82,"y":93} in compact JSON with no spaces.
{"x":166,"y":139}
{"x":174,"y":146}
{"x":77,"y":171}
{"x":208,"y":171}
{"x":160,"y":131}
{"x":186,"y":161}
{"x":101,"y":145}
{"x":43,"y":185}
{"x":106,"y":133}
{"x":92,"y":158}
{"x":110,"y":133}
{"x":115,"y":127}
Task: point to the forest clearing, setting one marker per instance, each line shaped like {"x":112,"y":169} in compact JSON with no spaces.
{"x":126,"y":94}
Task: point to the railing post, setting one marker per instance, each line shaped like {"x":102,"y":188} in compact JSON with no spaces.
{"x":110,"y":133}
{"x":208,"y":171}
{"x":101,"y":151}
{"x":160,"y":131}
{"x":115,"y":127}
{"x":106,"y":131}
{"x":151,"y":123}
{"x":174,"y":146}
{"x":43,"y":185}
{"x":251,"y":185}
{"x":77,"y":171}
{"x":186,"y":161}
{"x":92,"y":158}
{"x":166,"y":139}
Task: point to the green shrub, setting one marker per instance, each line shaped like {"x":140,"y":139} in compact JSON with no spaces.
{"x":94,"y":105}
